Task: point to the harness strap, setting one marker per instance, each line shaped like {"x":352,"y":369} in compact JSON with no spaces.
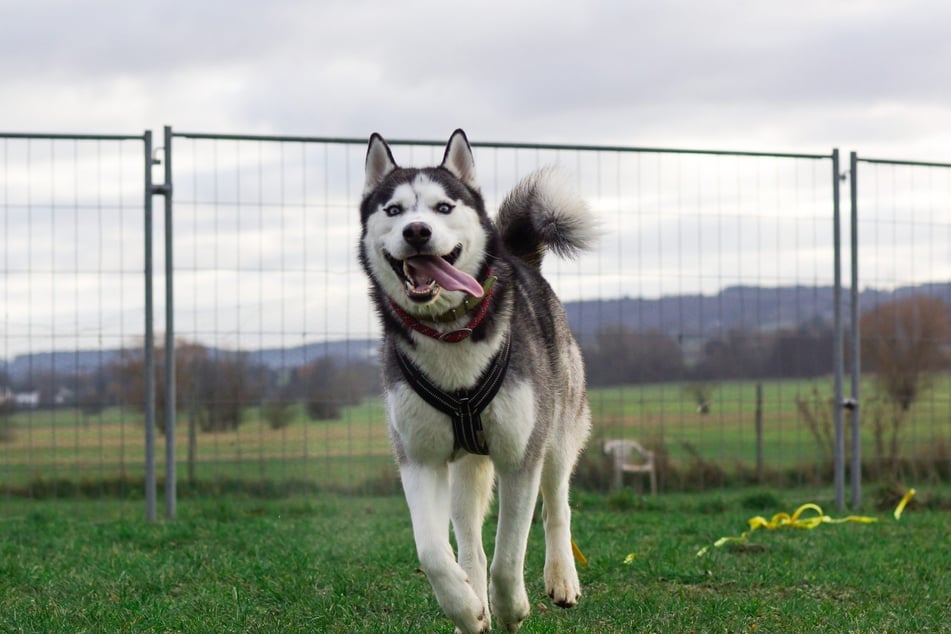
{"x":464,"y":406}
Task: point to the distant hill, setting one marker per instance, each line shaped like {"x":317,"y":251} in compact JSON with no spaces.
{"x":742,"y":308}
{"x":62,"y":362}
{"x":81,"y":361}
{"x":346,"y":351}
{"x":695,"y":317}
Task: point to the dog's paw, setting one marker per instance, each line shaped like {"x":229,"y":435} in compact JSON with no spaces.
{"x":512,"y":613}
{"x":481,"y":625}
{"x":562,"y":585}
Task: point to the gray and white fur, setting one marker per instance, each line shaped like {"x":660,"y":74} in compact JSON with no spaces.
{"x":536,"y":425}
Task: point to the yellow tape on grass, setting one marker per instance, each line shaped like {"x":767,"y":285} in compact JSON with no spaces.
{"x":814,"y":517}
{"x":579,"y":556}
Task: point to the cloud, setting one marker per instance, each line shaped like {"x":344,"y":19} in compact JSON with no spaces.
{"x":742,"y":74}
{"x":807,"y":76}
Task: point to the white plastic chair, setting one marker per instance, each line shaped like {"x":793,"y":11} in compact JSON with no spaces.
{"x":630,"y":457}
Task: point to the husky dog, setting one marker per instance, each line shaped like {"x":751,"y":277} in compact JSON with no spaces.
{"x":482,"y":376}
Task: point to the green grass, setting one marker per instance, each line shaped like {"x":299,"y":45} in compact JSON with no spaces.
{"x":332,"y":564}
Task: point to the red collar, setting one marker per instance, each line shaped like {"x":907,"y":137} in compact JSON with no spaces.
{"x":452,"y":336}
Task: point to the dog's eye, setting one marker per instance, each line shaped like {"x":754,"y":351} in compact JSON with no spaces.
{"x":444,"y":208}
{"x":393,"y":210}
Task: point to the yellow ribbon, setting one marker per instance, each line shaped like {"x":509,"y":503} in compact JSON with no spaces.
{"x":579,"y":556}
{"x":795,"y":520}
{"x":901,"y":505}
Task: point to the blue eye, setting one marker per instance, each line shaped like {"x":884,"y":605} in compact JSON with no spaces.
{"x":393,"y":210}
{"x":444,"y":208}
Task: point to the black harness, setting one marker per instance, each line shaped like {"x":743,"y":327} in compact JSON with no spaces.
{"x":464,"y":406}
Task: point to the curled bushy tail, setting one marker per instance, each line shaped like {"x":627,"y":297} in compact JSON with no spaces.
{"x":544,"y":213}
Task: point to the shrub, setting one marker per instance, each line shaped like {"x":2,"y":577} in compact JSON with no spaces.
{"x":278,"y":413}
{"x":6,"y":420}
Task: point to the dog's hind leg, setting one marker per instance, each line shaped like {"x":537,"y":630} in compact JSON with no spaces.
{"x":471,"y":481}
{"x":427,"y":493}
{"x":518,"y":492}
{"x":561,"y":576}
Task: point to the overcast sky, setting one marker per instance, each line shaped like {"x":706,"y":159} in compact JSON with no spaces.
{"x":868,"y":75}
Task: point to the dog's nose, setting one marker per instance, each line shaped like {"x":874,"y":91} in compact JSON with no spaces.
{"x":417,"y":234}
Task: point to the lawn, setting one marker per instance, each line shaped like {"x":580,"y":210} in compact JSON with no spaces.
{"x":347,"y":564}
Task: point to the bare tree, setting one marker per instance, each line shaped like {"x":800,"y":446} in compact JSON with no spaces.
{"x":127,"y":375}
{"x":701,"y":393}
{"x":904,"y":342}
{"x":622,"y":356}
{"x":229,"y":384}
{"x":210,"y":392}
{"x":818,"y":414}
{"x":7,"y":409}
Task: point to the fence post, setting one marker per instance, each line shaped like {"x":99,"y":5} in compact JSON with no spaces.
{"x":170,"y":475}
{"x":759,"y":432}
{"x":838,"y":364}
{"x":856,"y":370}
{"x":149,"y":360}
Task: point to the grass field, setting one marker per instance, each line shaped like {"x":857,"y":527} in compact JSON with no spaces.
{"x":346,"y":453}
{"x":337,"y":564}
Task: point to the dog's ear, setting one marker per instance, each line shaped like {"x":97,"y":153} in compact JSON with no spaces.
{"x":458,"y":159}
{"x":379,"y":163}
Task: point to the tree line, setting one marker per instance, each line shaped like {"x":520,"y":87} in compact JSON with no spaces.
{"x":623,"y":356}
{"x":213,"y":388}
{"x":904,"y":343}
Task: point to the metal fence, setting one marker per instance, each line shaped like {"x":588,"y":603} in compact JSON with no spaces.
{"x":72,"y":247}
{"x":712,"y":313}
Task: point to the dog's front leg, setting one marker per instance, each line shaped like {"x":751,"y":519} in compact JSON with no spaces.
{"x":518,"y":491}
{"x":427,"y":493}
{"x":472,"y":479}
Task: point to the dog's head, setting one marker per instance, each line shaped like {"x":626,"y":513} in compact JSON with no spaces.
{"x":424,"y":231}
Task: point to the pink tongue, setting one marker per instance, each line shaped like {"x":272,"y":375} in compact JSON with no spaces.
{"x":444,"y":274}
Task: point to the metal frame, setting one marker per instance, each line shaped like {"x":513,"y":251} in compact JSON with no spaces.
{"x":494,"y":144}
{"x":838,"y":347}
{"x":851,"y":404}
{"x":170,"y":461}
{"x":149,"y":368}
{"x":149,"y":190}
{"x":834,"y":156}
{"x":165,"y":190}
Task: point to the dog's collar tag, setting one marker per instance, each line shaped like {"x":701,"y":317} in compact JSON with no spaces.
{"x":467,"y":304}
{"x":455,"y":335}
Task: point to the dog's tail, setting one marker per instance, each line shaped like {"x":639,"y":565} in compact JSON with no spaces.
{"x":544,"y":213}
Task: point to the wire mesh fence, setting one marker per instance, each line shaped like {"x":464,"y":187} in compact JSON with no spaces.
{"x":71,"y":291}
{"x":904,"y":256}
{"x":706,"y":314}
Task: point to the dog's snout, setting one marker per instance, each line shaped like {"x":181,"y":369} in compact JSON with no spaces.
{"x":417,"y":234}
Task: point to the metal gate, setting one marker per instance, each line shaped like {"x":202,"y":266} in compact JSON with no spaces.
{"x":256,"y":272}
{"x":252,"y":192}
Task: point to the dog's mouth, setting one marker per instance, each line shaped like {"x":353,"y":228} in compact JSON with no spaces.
{"x":424,"y":276}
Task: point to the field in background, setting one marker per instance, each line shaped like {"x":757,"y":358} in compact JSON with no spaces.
{"x":66,"y":446}
{"x":347,"y":564}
